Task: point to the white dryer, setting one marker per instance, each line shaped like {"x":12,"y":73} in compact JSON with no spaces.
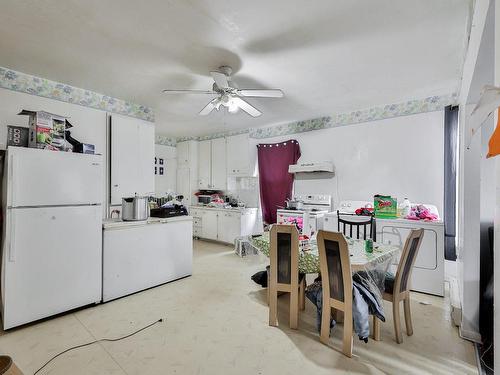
{"x":428,"y":270}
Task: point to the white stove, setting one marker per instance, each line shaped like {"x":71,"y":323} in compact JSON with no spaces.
{"x":309,"y":219}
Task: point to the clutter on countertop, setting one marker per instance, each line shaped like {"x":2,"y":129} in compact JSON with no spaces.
{"x":420,"y":212}
{"x":364,"y":211}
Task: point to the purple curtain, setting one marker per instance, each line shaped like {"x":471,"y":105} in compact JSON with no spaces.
{"x":275,"y":182}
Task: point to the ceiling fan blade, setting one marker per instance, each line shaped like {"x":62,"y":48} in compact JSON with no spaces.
{"x":247,"y":107}
{"x":167,"y":91}
{"x":209,"y":107}
{"x":272,"y":93}
{"x":220,"y":80}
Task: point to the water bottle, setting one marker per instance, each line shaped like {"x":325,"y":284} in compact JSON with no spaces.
{"x":405,"y":208}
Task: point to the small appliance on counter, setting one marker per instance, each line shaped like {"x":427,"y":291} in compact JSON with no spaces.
{"x":206,"y":197}
{"x":135,"y":208}
{"x":170,"y":211}
{"x":171,"y":208}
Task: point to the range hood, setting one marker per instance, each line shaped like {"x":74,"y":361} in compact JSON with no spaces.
{"x":310,"y":167}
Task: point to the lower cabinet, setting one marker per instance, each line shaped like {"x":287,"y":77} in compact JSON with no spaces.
{"x":225,"y":225}
{"x":209,"y":225}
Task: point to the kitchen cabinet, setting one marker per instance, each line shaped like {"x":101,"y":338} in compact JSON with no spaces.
{"x":212,"y":164}
{"x":205,"y":165}
{"x":225,"y":225}
{"x":238,"y":155}
{"x":219,"y":176}
{"x":187,"y":170}
{"x":209,"y":224}
{"x":132,"y":157}
{"x":230,"y":226}
{"x":183,"y":154}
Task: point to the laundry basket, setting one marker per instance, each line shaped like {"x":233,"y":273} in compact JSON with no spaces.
{"x":7,"y":366}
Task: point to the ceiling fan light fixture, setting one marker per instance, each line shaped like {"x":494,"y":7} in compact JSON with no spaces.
{"x":233,"y":108}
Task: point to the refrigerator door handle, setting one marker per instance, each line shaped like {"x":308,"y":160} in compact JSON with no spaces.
{"x":12,"y":236}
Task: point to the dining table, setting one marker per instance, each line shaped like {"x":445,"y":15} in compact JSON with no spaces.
{"x":380,"y":258}
{"x":368,"y":268}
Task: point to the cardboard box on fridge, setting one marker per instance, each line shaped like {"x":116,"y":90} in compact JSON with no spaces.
{"x":47,"y":130}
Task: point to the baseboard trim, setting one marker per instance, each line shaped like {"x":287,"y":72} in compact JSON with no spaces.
{"x":470,"y":335}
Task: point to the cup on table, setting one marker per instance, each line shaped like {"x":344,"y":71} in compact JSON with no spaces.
{"x":369,"y":245}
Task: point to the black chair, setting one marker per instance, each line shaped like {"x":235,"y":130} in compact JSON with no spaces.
{"x":347,"y":225}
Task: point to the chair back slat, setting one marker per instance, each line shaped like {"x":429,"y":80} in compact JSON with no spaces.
{"x":335,"y":265}
{"x":408,"y":257}
{"x":284,"y":256}
{"x":284,"y":253}
{"x":335,"y":275}
{"x":347,"y":226}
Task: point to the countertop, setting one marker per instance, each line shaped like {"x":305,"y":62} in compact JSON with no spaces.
{"x":117,"y":223}
{"x":235,"y":209}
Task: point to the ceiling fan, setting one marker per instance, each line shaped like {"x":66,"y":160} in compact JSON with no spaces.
{"x":229,"y":95}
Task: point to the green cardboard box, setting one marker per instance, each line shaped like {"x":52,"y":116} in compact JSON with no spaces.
{"x":385,"y":206}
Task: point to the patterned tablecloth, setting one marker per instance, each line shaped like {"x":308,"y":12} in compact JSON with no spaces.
{"x":360,"y":259}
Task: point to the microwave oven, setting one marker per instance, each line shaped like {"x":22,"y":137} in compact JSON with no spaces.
{"x":204,"y":199}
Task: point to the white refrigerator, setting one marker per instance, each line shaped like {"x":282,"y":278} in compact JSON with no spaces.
{"x":52,"y":237}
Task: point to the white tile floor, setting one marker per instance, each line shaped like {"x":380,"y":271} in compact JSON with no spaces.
{"x":217,"y":323}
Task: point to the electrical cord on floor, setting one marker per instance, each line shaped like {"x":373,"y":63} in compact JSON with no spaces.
{"x":94,"y":342}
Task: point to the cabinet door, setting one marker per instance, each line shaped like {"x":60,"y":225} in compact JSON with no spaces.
{"x":219,"y":176}
{"x":145,"y":158}
{"x":238,"y":155}
{"x":209,"y":224}
{"x":132,"y":157}
{"x":182,"y":153}
{"x":184,"y":185}
{"x":204,"y":165}
{"x":229,"y":226}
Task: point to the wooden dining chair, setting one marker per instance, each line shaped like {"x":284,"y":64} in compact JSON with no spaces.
{"x":335,"y":266}
{"x":284,"y":273}
{"x":397,"y":289}
{"x":348,"y":225}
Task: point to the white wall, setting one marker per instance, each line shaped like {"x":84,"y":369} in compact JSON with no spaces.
{"x":166,"y":182}
{"x":401,"y":156}
{"x":89,"y":125}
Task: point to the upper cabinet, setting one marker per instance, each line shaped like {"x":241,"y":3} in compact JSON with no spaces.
{"x":132,"y":157}
{"x":219,"y":175}
{"x":212,"y":164}
{"x":238,"y":155}
{"x":187,"y":170}
{"x":183,"y":149}
{"x":205,"y":164}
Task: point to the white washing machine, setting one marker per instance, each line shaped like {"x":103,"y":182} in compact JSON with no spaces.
{"x":428,"y":271}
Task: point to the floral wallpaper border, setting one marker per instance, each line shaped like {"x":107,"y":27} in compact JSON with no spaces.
{"x":412,"y":107}
{"x":22,"y":82}
{"x":165,"y":141}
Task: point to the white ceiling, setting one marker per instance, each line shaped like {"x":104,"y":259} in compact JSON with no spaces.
{"x":327,"y":56}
